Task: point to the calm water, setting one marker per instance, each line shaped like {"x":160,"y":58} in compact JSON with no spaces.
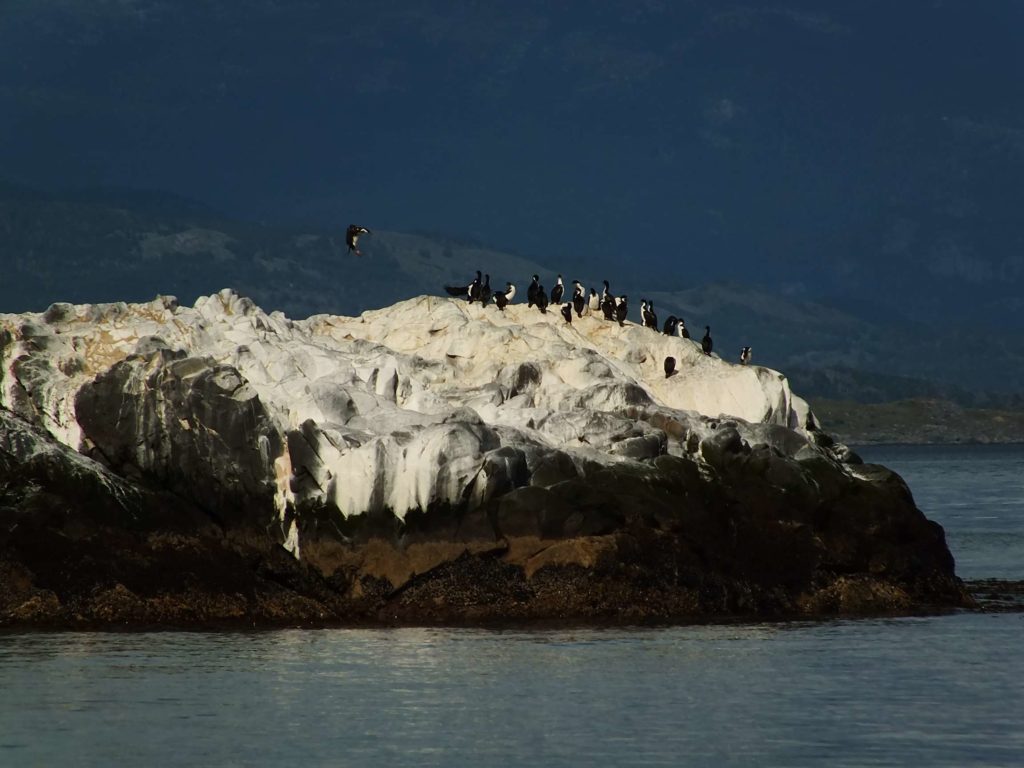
{"x":937,"y":691}
{"x":976,"y":493}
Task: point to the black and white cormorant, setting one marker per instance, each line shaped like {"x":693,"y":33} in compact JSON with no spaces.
{"x":557,"y":291}
{"x":670,"y":367}
{"x":608,"y":302}
{"x":503,"y":299}
{"x":579,"y":301}
{"x":745,"y":356}
{"x":474,"y":288}
{"x":621,"y":310}
{"x":531,"y":292}
{"x":681,"y":331}
{"x":485,"y":291}
{"x":647,"y":316}
{"x":669,"y":328}
{"x":465,"y":290}
{"x":567,"y":312}
{"x":541,"y":299}
{"x":352,"y":237}
{"x":594,"y":302}
{"x":706,"y":344}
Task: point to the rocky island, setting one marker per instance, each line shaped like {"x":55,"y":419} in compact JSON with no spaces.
{"x":432,"y":461}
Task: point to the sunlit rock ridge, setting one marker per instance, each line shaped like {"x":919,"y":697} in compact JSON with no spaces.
{"x":389,"y":451}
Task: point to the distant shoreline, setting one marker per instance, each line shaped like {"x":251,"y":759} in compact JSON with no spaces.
{"x":918,"y":422}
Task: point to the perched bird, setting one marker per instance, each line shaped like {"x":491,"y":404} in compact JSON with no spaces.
{"x":541,"y":299}
{"x":579,"y":301}
{"x":485,"y":291}
{"x":531,"y":292}
{"x":647,"y":316}
{"x":557,"y":291}
{"x":745,"y":356}
{"x":706,"y":343}
{"x":352,"y":237}
{"x":503,"y":299}
{"x":465,"y":290}
{"x":670,"y":326}
{"x":608,"y":302}
{"x":594,"y":302}
{"x":567,"y":312}
{"x":621,"y":310}
{"x":681,"y":329}
{"x":670,"y":367}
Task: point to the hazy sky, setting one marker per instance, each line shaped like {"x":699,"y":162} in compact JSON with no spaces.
{"x":870,"y":151}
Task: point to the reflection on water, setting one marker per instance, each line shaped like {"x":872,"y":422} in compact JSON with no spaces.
{"x":930,"y":691}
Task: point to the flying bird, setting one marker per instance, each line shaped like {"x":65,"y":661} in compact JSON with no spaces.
{"x":352,"y":237}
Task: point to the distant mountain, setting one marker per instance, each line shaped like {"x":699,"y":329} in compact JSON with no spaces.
{"x":122,"y":245}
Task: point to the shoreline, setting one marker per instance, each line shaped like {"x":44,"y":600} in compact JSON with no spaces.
{"x":991,"y":596}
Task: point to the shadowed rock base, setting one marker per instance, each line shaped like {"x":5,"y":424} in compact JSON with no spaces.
{"x":81,"y":547}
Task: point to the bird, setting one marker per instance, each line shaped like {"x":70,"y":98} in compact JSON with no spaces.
{"x":557,"y":291}
{"x":681,"y":329}
{"x":621,"y":310}
{"x":465,"y":290}
{"x":706,"y":343}
{"x":670,"y":367}
{"x":579,"y":301}
{"x":531,"y":292}
{"x":474,"y":288}
{"x":485,"y":291}
{"x":567,"y":312}
{"x":594,"y":302}
{"x":352,"y":237}
{"x":541,"y":299}
{"x":503,"y":299}
{"x":608,"y":302}
{"x":745,"y":355}
{"x":647,"y":316}
{"x":670,"y":326}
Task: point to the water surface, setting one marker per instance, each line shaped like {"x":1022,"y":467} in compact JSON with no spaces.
{"x":933,"y":691}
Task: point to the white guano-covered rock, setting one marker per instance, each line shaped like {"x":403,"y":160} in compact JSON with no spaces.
{"x":432,"y":401}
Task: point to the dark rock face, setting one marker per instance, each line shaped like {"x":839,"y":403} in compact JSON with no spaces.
{"x":748,"y":531}
{"x":187,"y":425}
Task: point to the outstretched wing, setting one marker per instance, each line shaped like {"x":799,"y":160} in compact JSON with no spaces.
{"x":352,"y":236}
